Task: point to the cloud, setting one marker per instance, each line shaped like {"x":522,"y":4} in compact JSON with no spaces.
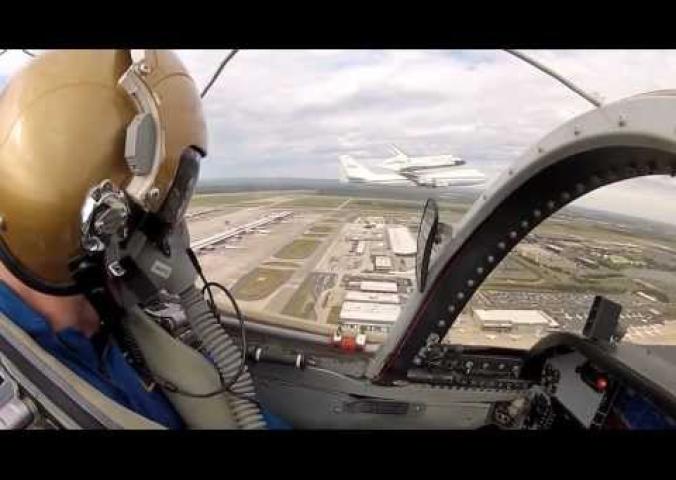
{"x":485,"y":106}
{"x":646,"y":197}
{"x":291,"y":113}
{"x":11,"y":61}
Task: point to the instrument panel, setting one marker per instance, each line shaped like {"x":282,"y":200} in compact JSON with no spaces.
{"x":597,"y":386}
{"x":456,"y":366}
{"x":633,"y":411}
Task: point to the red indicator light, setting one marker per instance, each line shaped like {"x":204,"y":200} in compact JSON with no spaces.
{"x":601,"y":384}
{"x":349,"y":344}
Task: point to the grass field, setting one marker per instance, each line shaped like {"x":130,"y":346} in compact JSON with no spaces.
{"x":260,"y":283}
{"x":213,"y":200}
{"x":281,"y":264}
{"x":515,"y":270}
{"x":321,"y":229}
{"x":316,"y":235}
{"x":317,"y":201}
{"x":338,"y":216}
{"x":518,"y":273}
{"x":601,"y":232}
{"x":298,"y":249}
{"x":546,"y":286}
{"x":375,"y":204}
{"x":456,"y":209}
{"x":302,"y":302}
{"x":334,"y":316}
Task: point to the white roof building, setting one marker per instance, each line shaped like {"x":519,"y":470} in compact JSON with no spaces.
{"x":377,"y":297}
{"x":383,"y":263}
{"x":367,"y":286}
{"x":511,"y":319}
{"x":369,"y":313}
{"x":401,"y":241}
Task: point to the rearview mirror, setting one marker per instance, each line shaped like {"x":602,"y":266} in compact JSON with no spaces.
{"x":427,"y":236}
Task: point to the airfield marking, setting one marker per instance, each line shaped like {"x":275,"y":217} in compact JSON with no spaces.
{"x":340,"y":207}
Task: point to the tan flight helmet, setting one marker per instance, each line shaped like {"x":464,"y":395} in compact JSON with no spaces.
{"x":71,"y":119}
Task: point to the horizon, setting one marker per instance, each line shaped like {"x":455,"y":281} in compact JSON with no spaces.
{"x":291,"y":113}
{"x":466,"y":192}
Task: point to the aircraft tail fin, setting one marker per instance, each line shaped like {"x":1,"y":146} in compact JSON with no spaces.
{"x":399,"y":160}
{"x":398,"y":150}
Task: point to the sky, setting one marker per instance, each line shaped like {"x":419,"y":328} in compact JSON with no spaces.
{"x":291,"y":113}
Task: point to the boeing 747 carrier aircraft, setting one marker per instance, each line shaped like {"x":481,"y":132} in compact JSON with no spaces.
{"x":426,"y":171}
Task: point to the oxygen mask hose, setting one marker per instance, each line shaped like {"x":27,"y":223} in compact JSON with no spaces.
{"x":228,"y":358}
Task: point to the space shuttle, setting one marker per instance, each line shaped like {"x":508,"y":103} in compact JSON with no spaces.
{"x":402,"y":162}
{"x":403,"y":169}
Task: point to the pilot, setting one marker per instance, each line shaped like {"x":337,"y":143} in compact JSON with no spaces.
{"x":64,"y":128}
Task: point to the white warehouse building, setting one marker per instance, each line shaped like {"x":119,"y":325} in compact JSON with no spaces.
{"x":513,"y":320}
{"x":372,"y":317}
{"x":369,"y":286}
{"x":401,"y":241}
{"x":376,"y":297}
{"x":383,"y":263}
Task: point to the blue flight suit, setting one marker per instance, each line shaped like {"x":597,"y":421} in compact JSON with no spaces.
{"x":109,"y":372}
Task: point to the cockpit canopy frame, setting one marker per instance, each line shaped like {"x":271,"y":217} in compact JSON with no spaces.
{"x":629,"y":138}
